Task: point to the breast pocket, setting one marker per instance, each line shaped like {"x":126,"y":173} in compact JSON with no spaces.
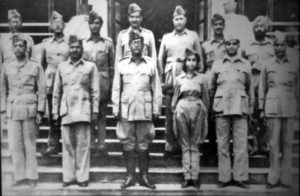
{"x":28,"y":80}
{"x":83,"y":76}
{"x":101,"y":58}
{"x":66,"y":78}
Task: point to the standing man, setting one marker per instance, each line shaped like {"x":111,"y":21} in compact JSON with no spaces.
{"x":170,"y":59}
{"x":23,"y":94}
{"x":6,"y":40}
{"x":257,"y":52}
{"x":54,"y":50}
{"x":135,"y":19}
{"x":100,"y":50}
{"x":278,"y":103}
{"x":137,"y":99}
{"x":75,"y":100}
{"x":232,"y":90}
{"x":212,"y":50}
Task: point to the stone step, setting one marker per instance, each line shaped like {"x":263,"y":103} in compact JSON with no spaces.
{"x":156,"y":160}
{"x":110,"y":189}
{"x":166,"y":175}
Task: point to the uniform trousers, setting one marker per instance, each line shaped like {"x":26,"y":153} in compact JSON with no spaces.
{"x":22,"y":142}
{"x":191,"y":128}
{"x":239,"y":127}
{"x":76,"y":151}
{"x":135,"y":134}
{"x":280,"y":132}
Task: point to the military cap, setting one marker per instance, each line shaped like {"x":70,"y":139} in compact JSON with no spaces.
{"x":261,"y":19}
{"x":133,"y":7}
{"x":93,"y":16}
{"x":190,"y":51}
{"x":279,"y":36}
{"x":133,"y":35}
{"x":13,"y":14}
{"x":19,"y":37}
{"x":73,"y":39}
{"x":55,"y":15}
{"x":217,"y":17}
{"x":179,"y":11}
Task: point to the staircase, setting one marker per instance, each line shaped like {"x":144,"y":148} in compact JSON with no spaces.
{"x":106,"y":174}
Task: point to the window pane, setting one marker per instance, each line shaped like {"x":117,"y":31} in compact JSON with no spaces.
{"x":255,"y":8}
{"x":287,"y":10}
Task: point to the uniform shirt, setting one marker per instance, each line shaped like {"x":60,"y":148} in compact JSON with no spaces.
{"x":137,"y":92}
{"x":173,"y":46}
{"x":6,"y":45}
{"x":54,"y":51}
{"x":279,"y":88}
{"x":212,"y":50}
{"x":231,"y":82}
{"x":23,"y":89}
{"x":123,"y":49}
{"x":196,"y":86}
{"x":102,"y":53}
{"x":76,"y":91}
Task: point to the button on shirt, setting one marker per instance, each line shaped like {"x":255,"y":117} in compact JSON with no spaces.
{"x":76,"y":91}
{"x":279,"y":88}
{"x":123,"y":49}
{"x":173,"y":46}
{"x":23,"y":89}
{"x":137,"y":92}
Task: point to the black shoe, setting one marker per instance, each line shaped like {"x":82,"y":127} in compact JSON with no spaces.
{"x":272,"y":186}
{"x":242,"y":184}
{"x":223,"y":184}
{"x":287,"y":186}
{"x":185,"y":183}
{"x":129,"y":181}
{"x":50,"y":151}
{"x":19,"y":183}
{"x":144,"y":181}
{"x":196,"y":183}
{"x":83,"y":184}
{"x":32,"y":183}
{"x":65,"y":184}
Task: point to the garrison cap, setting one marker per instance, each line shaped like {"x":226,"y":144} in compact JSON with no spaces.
{"x":133,"y":35}
{"x":261,"y":19}
{"x":217,"y":17}
{"x":93,"y":16}
{"x":19,"y":37}
{"x":13,"y":14}
{"x":179,"y":11}
{"x":133,"y":7}
{"x":73,"y":39}
{"x":279,"y":36}
{"x":55,"y":15}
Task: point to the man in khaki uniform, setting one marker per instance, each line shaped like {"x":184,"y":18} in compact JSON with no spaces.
{"x":278,"y":103}
{"x":257,"y":52}
{"x":232,"y":90}
{"x":54,"y":50}
{"x":170,"y":59}
{"x":23,"y":94}
{"x":137,"y":98}
{"x":100,"y":50}
{"x":6,"y":40}
{"x":135,"y":19}
{"x":75,"y":100}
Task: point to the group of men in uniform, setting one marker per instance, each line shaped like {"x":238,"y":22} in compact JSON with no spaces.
{"x":248,"y":86}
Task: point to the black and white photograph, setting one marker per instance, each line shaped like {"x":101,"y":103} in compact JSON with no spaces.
{"x":149,"y":97}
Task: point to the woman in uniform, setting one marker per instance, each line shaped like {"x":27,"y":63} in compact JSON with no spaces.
{"x":190,"y":103}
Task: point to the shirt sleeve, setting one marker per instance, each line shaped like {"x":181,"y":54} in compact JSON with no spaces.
{"x":4,"y":89}
{"x":57,"y":92}
{"x":175,"y":98}
{"x":152,"y":48}
{"x":119,"y":49}
{"x":41,"y":87}
{"x":116,"y":91}
{"x":162,"y":57}
{"x":156,"y":91}
{"x":111,"y":60}
{"x":95,"y":90}
{"x":262,"y":89}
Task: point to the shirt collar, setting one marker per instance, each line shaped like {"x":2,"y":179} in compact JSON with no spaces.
{"x":59,"y":40}
{"x":265,"y":42}
{"x":285,"y":60}
{"x":142,"y":59}
{"x":213,"y":40}
{"x":182,"y":33}
{"x":100,"y":38}
{"x":22,"y":64}
{"x":185,"y":75}
{"x":75,"y":64}
{"x":236,"y":58}
{"x":130,"y":29}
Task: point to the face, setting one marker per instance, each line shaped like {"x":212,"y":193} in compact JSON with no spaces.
{"x":15,"y":25}
{"x":191,"y":62}
{"x":95,"y":26}
{"x":136,"y":46}
{"x":57,"y":26}
{"x":280,"y":48}
{"x":135,"y":19}
{"x":232,"y":47}
{"x":218,"y":27}
{"x":75,"y":51}
{"x":259,"y":30}
{"x":19,"y":48}
{"x":179,"y":22}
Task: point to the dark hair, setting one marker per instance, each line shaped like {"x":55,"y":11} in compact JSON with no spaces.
{"x":217,"y":17}
{"x":184,"y":67}
{"x":93,"y":16}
